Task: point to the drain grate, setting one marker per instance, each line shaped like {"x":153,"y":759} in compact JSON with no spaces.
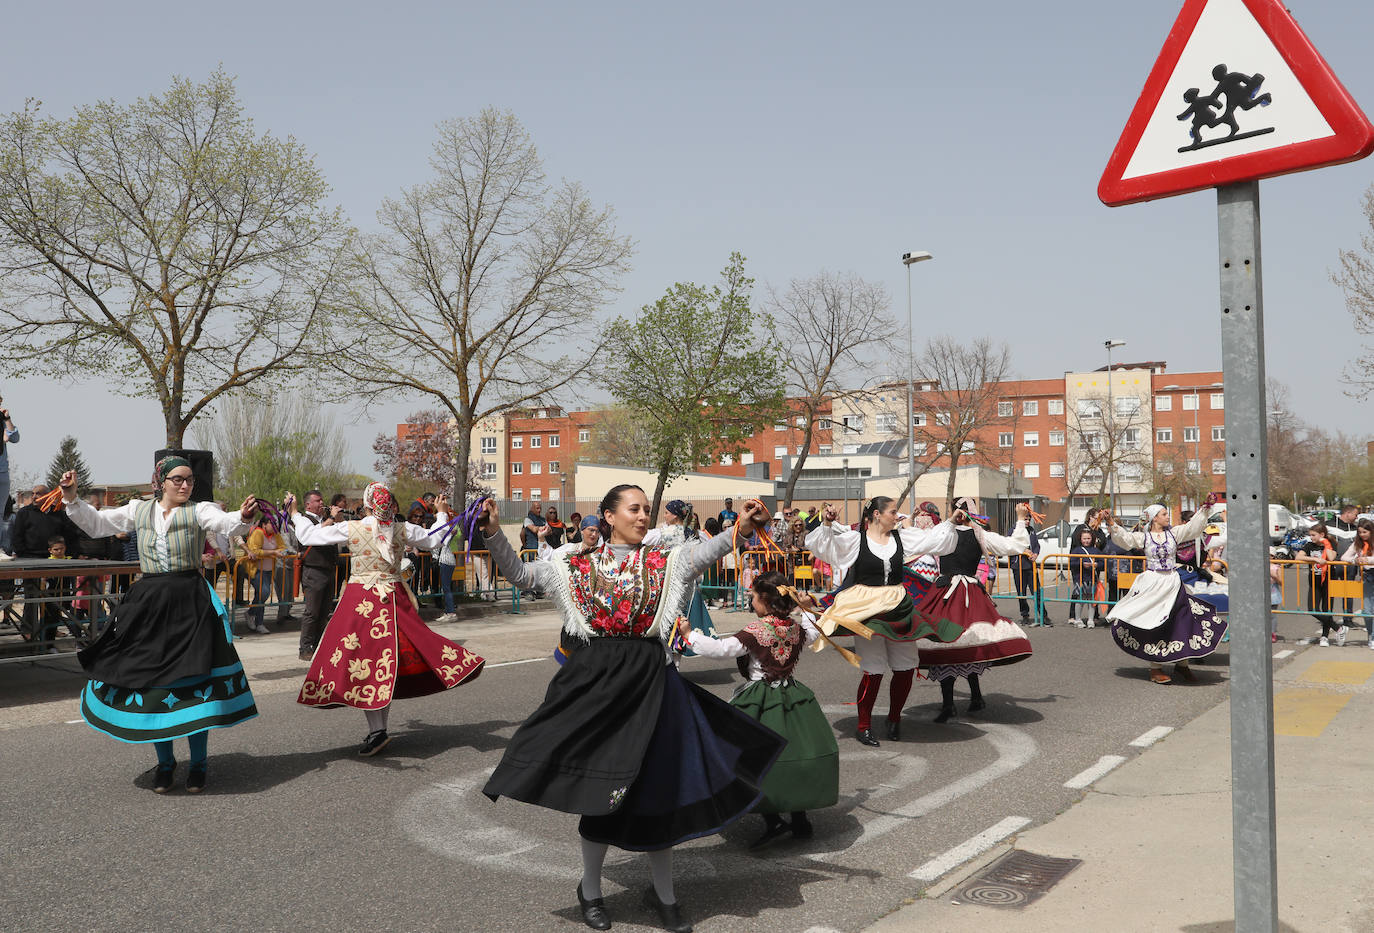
{"x":1015,"y":880}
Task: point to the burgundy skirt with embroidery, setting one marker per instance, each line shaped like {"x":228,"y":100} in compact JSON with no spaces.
{"x":987,"y":636}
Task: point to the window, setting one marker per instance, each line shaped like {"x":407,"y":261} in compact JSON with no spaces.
{"x":823,"y":424}
{"x":488,"y":469}
{"x":535,"y":441}
{"x":799,"y":421}
{"x":779,"y":453}
{"x":488,"y":445}
{"x":1004,"y":438}
{"x":1030,"y":408}
{"x":554,"y":493}
{"x":853,"y":422}
{"x":517,"y":468}
{"x":536,"y":495}
{"x":918,"y":420}
{"x":886,"y":423}
{"x":1056,"y":406}
{"x":1092,"y":440}
{"x":1164,"y":435}
{"x":1130,"y":438}
{"x":918,"y":449}
{"x":1218,"y":432}
{"x":1005,"y":467}
{"x":584,"y":435}
{"x":1127,"y":405}
{"x":727,"y":460}
{"x":1032,"y":471}
{"x":966,"y":447}
{"x":823,"y":450}
{"x":1030,"y":438}
{"x":1190,"y":435}
{"x":942,"y":418}
{"x":746,"y":459}
{"x":1005,"y":409}
{"x":555,"y":466}
{"x":554,"y":440}
{"x":1194,"y":467}
{"x":1089,"y":408}
{"x":1092,"y":475}
{"x":1056,"y":469}
{"x":1056,"y":438}
{"x":517,"y":495}
{"x":1165,"y":468}
{"x":1219,"y":466}
{"x":1218,"y":399}
{"x":517,"y":443}
{"x":537,"y":467}
{"x":1164,"y":403}
{"x":1130,"y":472}
{"x":1190,"y":402}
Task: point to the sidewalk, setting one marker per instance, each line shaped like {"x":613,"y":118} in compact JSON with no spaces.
{"x":1155,"y":834}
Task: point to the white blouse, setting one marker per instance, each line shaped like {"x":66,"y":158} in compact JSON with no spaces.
{"x":839,"y":546}
{"x":731,"y":647}
{"x":101,"y":523}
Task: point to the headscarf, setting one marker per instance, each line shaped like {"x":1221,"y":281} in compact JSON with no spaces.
{"x":1150,"y":512}
{"x":379,"y":499}
{"x":165,"y":466}
{"x":678,"y":507}
{"x":589,"y":522}
{"x":930,"y":508}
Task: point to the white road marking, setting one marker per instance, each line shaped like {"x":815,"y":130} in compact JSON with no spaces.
{"x":1084,"y":778}
{"x":509,"y":663}
{"x":1151,"y":737}
{"x":820,"y":930}
{"x":1285,"y":653}
{"x":72,"y":722}
{"x":968,"y":849}
{"x":1014,"y":749}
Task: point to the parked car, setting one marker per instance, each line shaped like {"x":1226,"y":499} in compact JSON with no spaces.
{"x":1281,"y":522}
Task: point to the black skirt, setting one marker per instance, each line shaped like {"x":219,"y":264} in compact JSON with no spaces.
{"x":163,"y":630}
{"x":647,"y":758}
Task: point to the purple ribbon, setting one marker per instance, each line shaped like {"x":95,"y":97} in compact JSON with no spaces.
{"x":469,"y":522}
{"x":274,"y":515}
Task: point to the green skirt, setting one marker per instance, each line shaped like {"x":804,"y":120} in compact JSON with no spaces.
{"x":807,"y":774}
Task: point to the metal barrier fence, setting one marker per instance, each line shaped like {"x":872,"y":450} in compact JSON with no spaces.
{"x":57,"y":607}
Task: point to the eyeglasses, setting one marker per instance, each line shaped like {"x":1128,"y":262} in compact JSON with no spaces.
{"x":181,"y":480}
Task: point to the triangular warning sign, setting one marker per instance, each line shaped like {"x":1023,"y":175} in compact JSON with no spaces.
{"x":1238,"y":93}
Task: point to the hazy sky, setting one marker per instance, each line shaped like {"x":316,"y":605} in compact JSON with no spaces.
{"x":806,"y":136}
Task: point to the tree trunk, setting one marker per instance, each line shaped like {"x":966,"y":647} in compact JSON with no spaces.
{"x":949,"y":484}
{"x":658,"y":493}
{"x":801,"y":461}
{"x":461,"y":458}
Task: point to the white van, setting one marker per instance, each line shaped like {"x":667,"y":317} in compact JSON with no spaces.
{"x":1281,"y":521}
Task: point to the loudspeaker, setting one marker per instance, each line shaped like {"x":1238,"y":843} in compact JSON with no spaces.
{"x":202,"y":466}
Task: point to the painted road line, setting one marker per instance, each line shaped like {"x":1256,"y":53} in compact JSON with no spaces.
{"x":1084,"y":778}
{"x":969,"y":849}
{"x":1306,"y":713}
{"x":1151,"y":737}
{"x":1338,"y":672}
{"x":1285,"y":653}
{"x":72,"y":722}
{"x":509,"y":663}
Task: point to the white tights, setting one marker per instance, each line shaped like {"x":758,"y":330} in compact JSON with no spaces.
{"x":660,"y":867}
{"x":376,"y":718}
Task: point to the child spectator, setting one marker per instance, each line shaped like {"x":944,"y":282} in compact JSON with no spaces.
{"x":1319,"y":552}
{"x":1083,"y":567}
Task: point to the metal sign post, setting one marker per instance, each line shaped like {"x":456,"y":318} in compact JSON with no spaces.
{"x":1254,"y":849}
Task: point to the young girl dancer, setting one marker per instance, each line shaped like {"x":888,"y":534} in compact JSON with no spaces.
{"x":647,"y":758}
{"x":807,"y":774}
{"x":375,"y":648}
{"x":1158,"y":620}
{"x":165,"y":666}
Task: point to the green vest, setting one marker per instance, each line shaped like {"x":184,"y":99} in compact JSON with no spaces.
{"x":185,"y":539}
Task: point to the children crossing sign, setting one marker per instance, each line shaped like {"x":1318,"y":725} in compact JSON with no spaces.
{"x":1238,"y":93}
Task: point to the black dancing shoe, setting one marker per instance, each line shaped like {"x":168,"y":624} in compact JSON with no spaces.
{"x":195,"y":779}
{"x":945,"y":713}
{"x":594,"y":911}
{"x":801,"y":826}
{"x":976,"y":704}
{"x":669,"y":915}
{"x":162,"y":778}
{"x":374,"y":743}
{"x":775,"y":830}
{"x":865,"y":737}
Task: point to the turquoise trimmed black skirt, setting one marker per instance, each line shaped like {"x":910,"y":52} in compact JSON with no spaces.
{"x":165,"y":667}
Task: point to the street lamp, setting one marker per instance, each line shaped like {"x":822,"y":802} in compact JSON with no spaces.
{"x":844,"y":462}
{"x":1111,"y":424}
{"x":908,"y":259}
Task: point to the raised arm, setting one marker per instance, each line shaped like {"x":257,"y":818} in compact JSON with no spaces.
{"x":707,"y":647}
{"x":704,"y":554}
{"x":939,"y":540}
{"x":835,"y":545}
{"x":1193,"y":528}
{"x":101,"y":523}
{"x":1018,"y":542}
{"x":217,"y":521}
{"x":1128,"y":540}
{"x":535,"y":575}
{"x":311,"y":535}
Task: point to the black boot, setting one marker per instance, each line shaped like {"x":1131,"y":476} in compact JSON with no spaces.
{"x":774,"y":827}
{"x":801,"y":826}
{"x":975,"y":694}
{"x":669,"y":915}
{"x":865,"y":737}
{"x":894,"y":729}
{"x":947,"y":698}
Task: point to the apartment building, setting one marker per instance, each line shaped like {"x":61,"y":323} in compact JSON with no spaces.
{"x":541,"y":446}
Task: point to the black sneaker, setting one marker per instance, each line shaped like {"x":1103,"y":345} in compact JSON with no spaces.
{"x":374,"y":743}
{"x":195,"y":779}
{"x":162,"y":778}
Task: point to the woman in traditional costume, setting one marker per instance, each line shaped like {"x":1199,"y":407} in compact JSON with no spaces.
{"x":375,"y":648}
{"x":1158,"y":620}
{"x":165,"y":667}
{"x":807,"y":774}
{"x":873,"y":601}
{"x":646,"y":758}
{"x":959,"y":599}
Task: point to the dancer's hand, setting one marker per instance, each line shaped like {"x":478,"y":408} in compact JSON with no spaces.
{"x":289,"y":504}
{"x":960,"y":517}
{"x":441,"y":505}
{"x":249,"y":508}
{"x":491,"y":518}
{"x":68,"y":486}
{"x":829,"y":514}
{"x":1022,"y":511}
{"x":752,"y":512}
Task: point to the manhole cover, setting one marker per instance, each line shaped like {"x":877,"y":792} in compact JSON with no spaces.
{"x":1014,"y":880}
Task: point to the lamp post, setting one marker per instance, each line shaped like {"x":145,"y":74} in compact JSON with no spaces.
{"x":1111,"y":424}
{"x":908,"y":259}
{"x":844,"y":463}
{"x":562,"y":486}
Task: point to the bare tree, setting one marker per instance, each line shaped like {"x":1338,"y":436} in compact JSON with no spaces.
{"x":164,"y":245}
{"x":1356,"y":280}
{"x":826,"y":325}
{"x":1102,"y":443}
{"x":480,"y":292}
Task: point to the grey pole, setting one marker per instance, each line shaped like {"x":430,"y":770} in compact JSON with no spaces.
{"x":844,"y":463}
{"x":1254,"y":849}
{"x":1111,"y":435}
{"x":910,"y":397}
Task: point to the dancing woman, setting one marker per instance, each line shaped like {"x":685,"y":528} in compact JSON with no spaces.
{"x":874,"y":604}
{"x":164,"y":667}
{"x":646,"y":758}
{"x":1158,"y":620}
{"x":375,"y":648}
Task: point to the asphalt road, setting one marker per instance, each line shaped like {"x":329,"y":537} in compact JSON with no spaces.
{"x":295,"y":832}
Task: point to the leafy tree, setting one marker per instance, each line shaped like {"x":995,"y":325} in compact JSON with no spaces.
{"x":480,"y":292}
{"x":68,"y":458}
{"x":165,"y":245}
{"x":423,"y":460}
{"x":619,"y":438}
{"x":699,"y":371}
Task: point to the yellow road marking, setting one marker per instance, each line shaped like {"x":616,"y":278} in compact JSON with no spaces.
{"x":1338,"y":672}
{"x":1306,"y":712}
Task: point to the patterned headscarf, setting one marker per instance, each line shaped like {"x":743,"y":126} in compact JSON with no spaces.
{"x":379,"y":499}
{"x":678,"y":507}
{"x":165,"y":466}
{"x":589,"y":522}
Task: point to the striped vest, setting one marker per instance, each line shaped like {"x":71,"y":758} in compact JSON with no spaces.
{"x":185,"y":540}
